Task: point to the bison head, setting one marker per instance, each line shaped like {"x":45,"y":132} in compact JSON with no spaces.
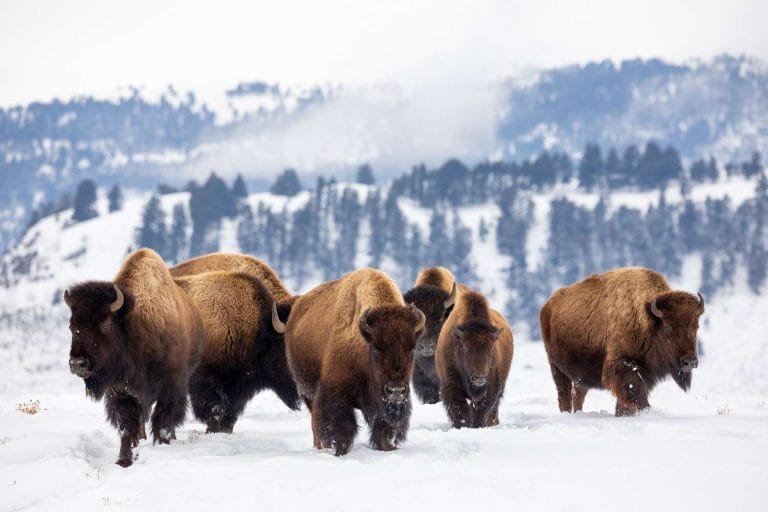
{"x":676,"y":316}
{"x":436,"y":305}
{"x":96,"y":309}
{"x":391,"y":333}
{"x":475,"y":348}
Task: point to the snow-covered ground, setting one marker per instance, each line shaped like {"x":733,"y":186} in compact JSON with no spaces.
{"x":699,"y":451}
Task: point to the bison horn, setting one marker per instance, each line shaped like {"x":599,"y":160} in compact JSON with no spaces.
{"x":451,"y":298}
{"x":655,"y":309}
{"x":364,"y":325}
{"x":701,"y":302}
{"x":119,"y":301}
{"x":421,"y":319}
{"x":277,"y":324}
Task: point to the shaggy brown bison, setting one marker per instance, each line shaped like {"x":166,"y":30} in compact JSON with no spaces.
{"x":243,"y":353}
{"x":623,"y":330}
{"x":224,"y":261}
{"x":350,"y":346}
{"x":136,"y":341}
{"x":434,"y":294}
{"x":473,"y":357}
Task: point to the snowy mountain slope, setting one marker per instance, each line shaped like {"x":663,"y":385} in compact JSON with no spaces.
{"x":704,"y":450}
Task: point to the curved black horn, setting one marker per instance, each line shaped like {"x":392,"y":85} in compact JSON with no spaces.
{"x":701,"y":302}
{"x":421,"y":318}
{"x":277,"y":324}
{"x":364,"y":325}
{"x":655,"y":309}
{"x":119,"y":301}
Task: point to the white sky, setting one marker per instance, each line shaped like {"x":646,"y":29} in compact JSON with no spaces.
{"x":61,"y":48}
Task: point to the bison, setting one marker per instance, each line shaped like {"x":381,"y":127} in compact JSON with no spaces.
{"x":434,"y":294}
{"x":136,"y":341}
{"x":473,"y":357}
{"x":623,"y":330}
{"x":350,"y":346}
{"x":224,"y":261}
{"x":243,"y":353}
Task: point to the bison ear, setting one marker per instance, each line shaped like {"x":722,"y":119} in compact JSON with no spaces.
{"x":458,"y":333}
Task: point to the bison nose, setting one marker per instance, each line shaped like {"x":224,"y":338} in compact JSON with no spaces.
{"x":688,"y":363}
{"x":396,"y":392}
{"x":79,"y":366}
{"x":479,"y":379}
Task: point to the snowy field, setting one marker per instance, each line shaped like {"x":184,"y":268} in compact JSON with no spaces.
{"x":699,"y":451}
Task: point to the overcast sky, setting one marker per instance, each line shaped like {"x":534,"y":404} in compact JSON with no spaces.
{"x":65,"y":47}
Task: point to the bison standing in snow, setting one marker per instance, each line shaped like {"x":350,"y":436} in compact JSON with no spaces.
{"x":243,"y":352}
{"x":350,"y":346}
{"x":623,"y":330}
{"x":473,"y":358}
{"x":136,"y":340}
{"x":434,"y":294}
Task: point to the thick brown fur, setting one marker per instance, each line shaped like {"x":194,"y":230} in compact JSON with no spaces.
{"x":233,"y":262}
{"x":602,"y":333}
{"x":242,"y":354}
{"x":141,"y":354}
{"x":339,"y":366}
{"x":473,"y":358}
{"x":429,"y":294}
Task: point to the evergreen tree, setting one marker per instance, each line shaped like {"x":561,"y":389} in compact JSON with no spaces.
{"x":248,"y":232}
{"x":287,"y":184}
{"x":614,"y":176}
{"x":591,"y":167}
{"x":85,"y":200}
{"x":177,"y":250}
{"x":630,"y":162}
{"x":152,"y":232}
{"x":365,"y":175}
{"x":753,"y":167}
{"x":439,"y":241}
{"x":378,"y":237}
{"x":239,"y":190}
{"x":461,"y":247}
{"x":115,"y":197}
{"x":482,"y":230}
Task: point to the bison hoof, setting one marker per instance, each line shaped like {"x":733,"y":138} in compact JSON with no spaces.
{"x":126,"y":461}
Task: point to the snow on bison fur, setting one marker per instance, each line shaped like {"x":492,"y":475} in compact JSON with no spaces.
{"x":350,"y":346}
{"x":135,"y":341}
{"x":624,"y":330}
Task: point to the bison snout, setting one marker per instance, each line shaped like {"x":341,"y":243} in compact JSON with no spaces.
{"x":427,"y":348}
{"x":479,"y":379}
{"x":397,"y":393}
{"x":80,"y":366}
{"x":688,"y":363}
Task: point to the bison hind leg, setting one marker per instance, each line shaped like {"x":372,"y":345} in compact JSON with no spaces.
{"x":564,"y":388}
{"x":210,"y":401}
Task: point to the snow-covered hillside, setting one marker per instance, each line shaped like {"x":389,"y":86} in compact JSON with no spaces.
{"x":704,"y":450}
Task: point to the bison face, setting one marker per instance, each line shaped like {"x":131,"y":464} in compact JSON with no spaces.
{"x":476,"y":345}
{"x":436,"y":305}
{"x":391,"y":333}
{"x":94,"y":307}
{"x":677,"y":323}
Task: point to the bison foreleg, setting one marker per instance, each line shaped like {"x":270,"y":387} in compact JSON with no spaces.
{"x":125,"y":413}
{"x":485,"y":413}
{"x":426,"y":389}
{"x":456,"y":405}
{"x":625,"y":379}
{"x":333,"y":422}
{"x":386,"y":436}
{"x":169,"y":413}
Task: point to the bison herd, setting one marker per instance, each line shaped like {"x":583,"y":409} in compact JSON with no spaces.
{"x":222,"y":327}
